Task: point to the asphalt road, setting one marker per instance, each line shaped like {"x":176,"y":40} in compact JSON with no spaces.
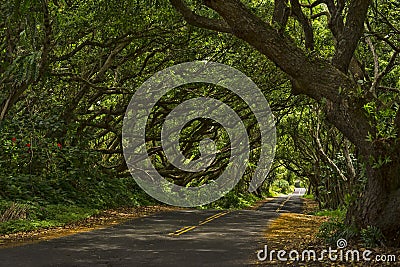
{"x":176,"y":238}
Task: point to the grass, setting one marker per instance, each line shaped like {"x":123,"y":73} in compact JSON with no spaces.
{"x":104,"y":218}
{"x":272,"y":193}
{"x":46,"y":217}
{"x":338,"y":213}
{"x":309,"y":196}
{"x":65,"y":202}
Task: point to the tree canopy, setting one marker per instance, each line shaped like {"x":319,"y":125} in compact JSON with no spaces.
{"x":329,"y":70}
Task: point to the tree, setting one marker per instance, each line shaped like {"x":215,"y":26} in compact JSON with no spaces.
{"x":317,"y":152}
{"x":25,"y":49}
{"x":353,"y":96}
{"x":95,"y":61}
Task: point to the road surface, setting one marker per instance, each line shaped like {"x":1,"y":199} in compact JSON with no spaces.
{"x":176,"y":238}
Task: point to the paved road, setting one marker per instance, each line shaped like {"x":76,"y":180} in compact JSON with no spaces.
{"x":177,"y":238}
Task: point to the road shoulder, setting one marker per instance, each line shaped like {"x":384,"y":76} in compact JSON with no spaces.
{"x":105,"y":219}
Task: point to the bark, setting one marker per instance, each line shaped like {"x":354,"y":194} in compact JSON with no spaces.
{"x":305,"y":23}
{"x":353,"y":29}
{"x":379,"y":205}
{"x":281,"y":13}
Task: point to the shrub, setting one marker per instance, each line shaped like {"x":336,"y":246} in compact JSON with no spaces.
{"x":335,"y":228}
{"x":372,"y":236}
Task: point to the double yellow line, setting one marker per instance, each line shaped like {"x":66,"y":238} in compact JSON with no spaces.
{"x":183,"y":230}
{"x":215,"y":216}
{"x":283,"y":204}
{"x":206,"y":220}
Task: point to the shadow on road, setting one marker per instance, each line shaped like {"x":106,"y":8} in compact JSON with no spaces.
{"x":230,"y":239}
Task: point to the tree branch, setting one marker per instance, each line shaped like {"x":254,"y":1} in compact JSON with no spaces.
{"x":107,"y":64}
{"x":314,"y":4}
{"x":305,"y":24}
{"x":47,"y":39}
{"x":347,"y":40}
{"x":375,"y":56}
{"x":200,"y":21}
{"x":311,"y":76}
{"x":389,"y":89}
{"x":281,"y":13}
{"x":324,"y":155}
{"x":320,"y":14}
{"x":383,"y":73}
{"x":281,"y":50}
{"x":349,"y":162}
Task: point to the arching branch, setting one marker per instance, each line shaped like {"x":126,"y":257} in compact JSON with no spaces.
{"x":200,"y":21}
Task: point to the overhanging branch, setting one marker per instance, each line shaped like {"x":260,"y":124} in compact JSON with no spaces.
{"x":200,"y":21}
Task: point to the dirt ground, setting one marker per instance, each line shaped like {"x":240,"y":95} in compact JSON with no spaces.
{"x":292,"y":231}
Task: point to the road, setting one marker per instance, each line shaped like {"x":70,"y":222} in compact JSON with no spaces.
{"x":175,"y":238}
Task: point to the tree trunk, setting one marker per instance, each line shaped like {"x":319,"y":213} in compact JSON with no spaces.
{"x":379,"y":204}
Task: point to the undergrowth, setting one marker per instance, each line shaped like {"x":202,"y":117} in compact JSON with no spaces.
{"x":336,"y":228}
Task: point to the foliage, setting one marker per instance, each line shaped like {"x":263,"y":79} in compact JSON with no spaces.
{"x":45,"y":217}
{"x":338,"y":213}
{"x":372,"y":236}
{"x":233,"y":200}
{"x":344,"y":57}
{"x":36,"y":168}
{"x":309,"y":196}
{"x":282,"y":186}
{"x":335,"y":228}
{"x":69,"y":68}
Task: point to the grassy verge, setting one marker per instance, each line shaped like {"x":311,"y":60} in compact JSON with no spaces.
{"x":24,"y":217}
{"x":30,"y":203}
{"x":100,"y":219}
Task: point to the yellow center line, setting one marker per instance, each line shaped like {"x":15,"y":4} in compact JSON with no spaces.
{"x":180,"y":230}
{"x":215,"y":216}
{"x":283,"y":204}
{"x":183,"y":230}
{"x":207,"y":220}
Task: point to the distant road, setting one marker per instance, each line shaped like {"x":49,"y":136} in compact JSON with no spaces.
{"x":175,"y":238}
{"x":299,"y":191}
